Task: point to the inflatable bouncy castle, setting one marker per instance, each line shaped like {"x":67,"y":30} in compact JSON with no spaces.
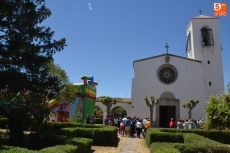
{"x":77,"y":110}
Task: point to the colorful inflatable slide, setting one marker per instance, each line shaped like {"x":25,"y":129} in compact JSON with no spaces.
{"x":77,"y":110}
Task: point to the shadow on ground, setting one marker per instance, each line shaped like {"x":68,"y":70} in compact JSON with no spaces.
{"x":115,"y":145}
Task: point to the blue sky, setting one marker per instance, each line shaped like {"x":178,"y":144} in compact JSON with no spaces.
{"x":104,"y":37}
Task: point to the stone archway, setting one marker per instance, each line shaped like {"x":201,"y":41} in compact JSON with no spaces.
{"x":118,"y":111}
{"x":168,"y":107}
{"x":98,"y":112}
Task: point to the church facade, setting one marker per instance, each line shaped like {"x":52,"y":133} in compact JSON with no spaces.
{"x":174,"y":80}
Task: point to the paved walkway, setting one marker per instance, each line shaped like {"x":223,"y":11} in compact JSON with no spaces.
{"x":130,"y":146}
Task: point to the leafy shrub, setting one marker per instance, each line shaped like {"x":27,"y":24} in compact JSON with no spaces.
{"x":201,"y":148}
{"x":105,"y":136}
{"x":157,"y":136}
{"x":49,"y":126}
{"x":40,"y":141}
{"x":9,"y":149}
{"x":4,"y":123}
{"x":62,"y":148}
{"x":193,"y":143}
{"x":218,"y":110}
{"x":222,"y":136}
{"x":162,"y":148}
{"x":188,"y":148}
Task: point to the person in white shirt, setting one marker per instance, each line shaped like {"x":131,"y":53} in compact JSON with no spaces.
{"x":138,"y":128}
{"x":124,"y":122}
{"x":115,"y":121}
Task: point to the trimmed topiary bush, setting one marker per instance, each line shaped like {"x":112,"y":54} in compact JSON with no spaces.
{"x":222,"y":136}
{"x":163,"y":148}
{"x":98,"y":135}
{"x":41,"y":141}
{"x":189,"y":142}
{"x":62,"y":148}
{"x":50,"y":126}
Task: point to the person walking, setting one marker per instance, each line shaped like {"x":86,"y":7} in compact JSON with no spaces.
{"x":138,"y":128}
{"x":147,"y":125}
{"x":172,"y":123}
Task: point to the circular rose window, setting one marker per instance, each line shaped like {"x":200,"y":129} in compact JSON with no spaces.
{"x":167,"y":74}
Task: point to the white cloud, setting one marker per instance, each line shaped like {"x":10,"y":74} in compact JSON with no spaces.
{"x":90,"y":6}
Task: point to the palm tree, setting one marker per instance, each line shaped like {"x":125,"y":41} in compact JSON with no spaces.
{"x":120,"y":110}
{"x":190,"y":105}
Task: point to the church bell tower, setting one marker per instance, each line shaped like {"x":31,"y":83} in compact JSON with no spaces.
{"x":203,"y":44}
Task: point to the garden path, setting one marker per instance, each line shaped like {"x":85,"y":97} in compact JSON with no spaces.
{"x":130,"y":146}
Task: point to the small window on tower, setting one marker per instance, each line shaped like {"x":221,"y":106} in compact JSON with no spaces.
{"x":207,"y":37}
{"x":210,"y":83}
{"x":189,"y":45}
{"x":208,"y":62}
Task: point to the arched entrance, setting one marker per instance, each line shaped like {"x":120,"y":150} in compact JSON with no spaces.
{"x":98,"y":112}
{"x":118,"y":112}
{"x":168,"y":107}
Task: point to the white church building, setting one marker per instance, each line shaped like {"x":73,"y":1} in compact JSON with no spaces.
{"x":174,"y":80}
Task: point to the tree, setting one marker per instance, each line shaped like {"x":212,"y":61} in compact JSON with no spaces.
{"x":120,"y":110}
{"x":26,"y":56}
{"x":108,"y":102}
{"x":68,"y":94}
{"x":190,"y":105}
{"x":151,"y":106}
{"x":60,"y":78}
{"x":26,"y":47}
{"x":218,"y":111}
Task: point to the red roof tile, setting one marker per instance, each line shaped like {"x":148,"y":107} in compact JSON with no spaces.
{"x":119,"y":100}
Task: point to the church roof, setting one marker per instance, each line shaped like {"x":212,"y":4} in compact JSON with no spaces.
{"x":165,"y":55}
{"x":205,"y":17}
{"x":119,"y":100}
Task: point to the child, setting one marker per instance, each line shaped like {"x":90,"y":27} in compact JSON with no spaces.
{"x":122,"y":129}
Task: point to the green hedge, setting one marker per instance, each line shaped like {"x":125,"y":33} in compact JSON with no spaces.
{"x":49,"y":126}
{"x":3,"y":123}
{"x":185,"y":142}
{"x":9,"y":149}
{"x":61,"y":148}
{"x":42,"y":141}
{"x":201,"y":148}
{"x":54,"y":149}
{"x":188,"y":148}
{"x":106,"y":136}
{"x":222,"y":136}
{"x":163,"y":148}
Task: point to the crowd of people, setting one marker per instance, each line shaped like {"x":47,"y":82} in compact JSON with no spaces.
{"x":128,"y":127}
{"x":187,"y":124}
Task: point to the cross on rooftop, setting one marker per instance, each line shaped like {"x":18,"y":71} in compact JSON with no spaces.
{"x":200,"y":12}
{"x":167,"y":48}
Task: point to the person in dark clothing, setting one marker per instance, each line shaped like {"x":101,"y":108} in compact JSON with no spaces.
{"x":106,"y":120}
{"x":88,"y":119}
{"x":132,"y":127}
{"x":118,"y":125}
